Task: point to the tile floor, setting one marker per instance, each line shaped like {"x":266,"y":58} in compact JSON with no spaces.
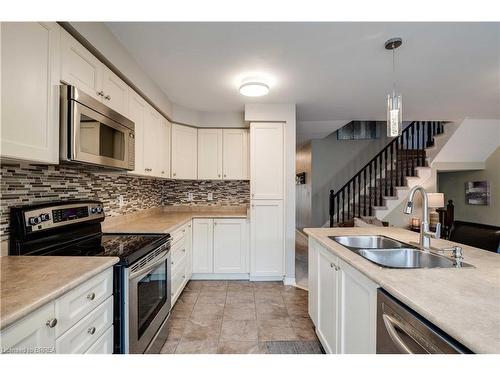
{"x":241,"y":317}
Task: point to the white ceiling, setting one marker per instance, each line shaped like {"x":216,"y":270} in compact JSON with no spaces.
{"x":332,"y":71}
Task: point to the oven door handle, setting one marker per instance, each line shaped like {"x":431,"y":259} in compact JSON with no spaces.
{"x":390,"y":323}
{"x":144,"y":271}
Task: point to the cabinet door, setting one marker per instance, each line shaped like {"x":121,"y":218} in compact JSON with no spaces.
{"x":312,"y":283}
{"x":266,"y":239}
{"x":30,"y":74}
{"x":31,"y":334}
{"x":137,"y":113}
{"x":115,"y":91}
{"x":203,"y":246}
{"x":209,"y":154}
{"x":235,"y":154}
{"x":81,"y":68}
{"x":230,"y":246}
{"x":266,"y":161}
{"x":328,"y":311}
{"x":153,"y":132}
{"x":358,"y":312}
{"x":184,"y":152}
{"x":166,"y":143}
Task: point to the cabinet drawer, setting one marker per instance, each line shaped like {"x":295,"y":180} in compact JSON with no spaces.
{"x":77,"y":303}
{"x":86,"y":332}
{"x":179,"y":234}
{"x":178,"y":279}
{"x":177,"y":255}
{"x":104,"y":344}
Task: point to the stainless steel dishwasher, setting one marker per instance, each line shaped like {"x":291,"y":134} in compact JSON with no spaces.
{"x":401,"y":330}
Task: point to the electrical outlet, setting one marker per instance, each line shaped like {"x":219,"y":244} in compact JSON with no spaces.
{"x":190,"y":196}
{"x":210,"y":196}
{"x":120,"y":201}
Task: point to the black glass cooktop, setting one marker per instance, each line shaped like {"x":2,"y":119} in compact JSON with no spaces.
{"x":128,"y":247}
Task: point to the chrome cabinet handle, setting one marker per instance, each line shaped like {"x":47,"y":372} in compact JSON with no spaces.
{"x":51,"y":323}
{"x":218,"y":175}
{"x":162,"y":172}
{"x":174,"y":174}
{"x":100,"y":93}
{"x":332,"y":265}
{"x":107,"y":97}
{"x":183,"y":250}
{"x":91,"y":330}
{"x":225,"y":175}
{"x":91,"y":296}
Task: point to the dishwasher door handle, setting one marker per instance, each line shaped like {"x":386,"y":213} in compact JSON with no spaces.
{"x":390,"y":324}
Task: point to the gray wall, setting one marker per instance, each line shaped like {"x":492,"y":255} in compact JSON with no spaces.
{"x":303,"y":192}
{"x":452,"y":184}
{"x":334,"y":162}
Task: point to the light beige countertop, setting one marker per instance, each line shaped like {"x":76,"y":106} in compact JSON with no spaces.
{"x":465,"y":302}
{"x":29,"y":282}
{"x":167,"y":219}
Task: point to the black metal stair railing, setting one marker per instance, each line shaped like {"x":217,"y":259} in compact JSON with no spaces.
{"x":384,"y":172}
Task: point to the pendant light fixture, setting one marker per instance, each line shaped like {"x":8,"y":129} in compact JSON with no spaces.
{"x":394,"y":102}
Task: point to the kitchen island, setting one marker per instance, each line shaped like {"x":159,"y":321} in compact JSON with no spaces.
{"x":463,"y":302}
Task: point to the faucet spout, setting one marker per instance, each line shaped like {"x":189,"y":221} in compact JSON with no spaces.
{"x":425,"y":233}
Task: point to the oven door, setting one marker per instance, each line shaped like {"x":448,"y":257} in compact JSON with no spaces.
{"x":149,"y":301}
{"x":97,"y":139}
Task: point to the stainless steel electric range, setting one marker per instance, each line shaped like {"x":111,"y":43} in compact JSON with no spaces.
{"x":142,"y":279}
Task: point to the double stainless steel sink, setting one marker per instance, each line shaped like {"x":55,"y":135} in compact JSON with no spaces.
{"x":390,"y":253}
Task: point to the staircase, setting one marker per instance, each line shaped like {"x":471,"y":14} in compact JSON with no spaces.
{"x":385,"y":179}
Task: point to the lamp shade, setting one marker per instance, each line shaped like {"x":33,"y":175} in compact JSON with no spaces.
{"x":436,"y":200}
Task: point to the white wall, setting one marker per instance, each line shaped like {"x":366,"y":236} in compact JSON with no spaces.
{"x":255,"y":112}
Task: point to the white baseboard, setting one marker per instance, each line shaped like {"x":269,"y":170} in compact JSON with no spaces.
{"x":266,"y":278}
{"x":220,"y":276}
{"x":289,"y":281}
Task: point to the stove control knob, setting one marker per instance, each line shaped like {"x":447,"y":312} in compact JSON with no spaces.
{"x":99,"y":209}
{"x":34,"y":220}
{"x":45,"y":217}
{"x":93,"y":210}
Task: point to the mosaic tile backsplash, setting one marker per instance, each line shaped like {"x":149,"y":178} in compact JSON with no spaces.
{"x":23,"y":184}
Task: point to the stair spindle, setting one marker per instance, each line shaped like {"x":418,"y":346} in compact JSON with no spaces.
{"x":370,"y":190}
{"x":386,"y":192}
{"x":364,"y":196}
{"x":392,"y":170}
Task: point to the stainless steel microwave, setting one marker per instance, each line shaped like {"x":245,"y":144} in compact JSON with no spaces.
{"x":93,"y":133}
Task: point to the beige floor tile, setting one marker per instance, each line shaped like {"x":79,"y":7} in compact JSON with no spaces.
{"x":214,"y":285}
{"x":240,"y":297}
{"x":240,"y":311}
{"x":296,"y":311}
{"x":194,"y":285}
{"x":210,"y":297}
{"x":176,"y":329}
{"x":239,"y":330}
{"x":268,"y":285}
{"x":197,"y":347}
{"x":274,"y":323}
{"x":277,"y":334}
{"x":269,"y":297}
{"x":210,"y":311}
{"x":169,"y":347}
{"x":182,"y":310}
{"x":189,"y":296}
{"x":241,"y":347}
{"x":268,"y":311}
{"x":197,"y":330}
{"x":239,"y":286}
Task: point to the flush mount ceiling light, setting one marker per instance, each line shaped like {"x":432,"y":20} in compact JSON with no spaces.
{"x":254,"y":87}
{"x":394,"y":101}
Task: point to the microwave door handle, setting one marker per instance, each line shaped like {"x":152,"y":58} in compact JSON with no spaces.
{"x":144,"y":271}
{"x":390,"y":324}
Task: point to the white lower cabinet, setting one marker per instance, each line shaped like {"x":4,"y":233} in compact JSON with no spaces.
{"x":342,"y":303}
{"x":230,"y":246}
{"x":181,"y":258}
{"x":69,"y":324}
{"x":220,"y":248}
{"x":267,"y":250}
{"x":328,"y":293}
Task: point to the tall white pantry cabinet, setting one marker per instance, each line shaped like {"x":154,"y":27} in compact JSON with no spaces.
{"x":267,"y":242}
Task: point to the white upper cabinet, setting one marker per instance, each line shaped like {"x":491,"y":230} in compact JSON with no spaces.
{"x":184,"y":152}
{"x":153,"y":135}
{"x":230,"y":246}
{"x":236,"y":154}
{"x":137,"y":112}
{"x":209,"y":154}
{"x":115,"y":91}
{"x":266,"y":243}
{"x":166,"y":144}
{"x":266,"y":161}
{"x":30,"y":74}
{"x":81,"y":68}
